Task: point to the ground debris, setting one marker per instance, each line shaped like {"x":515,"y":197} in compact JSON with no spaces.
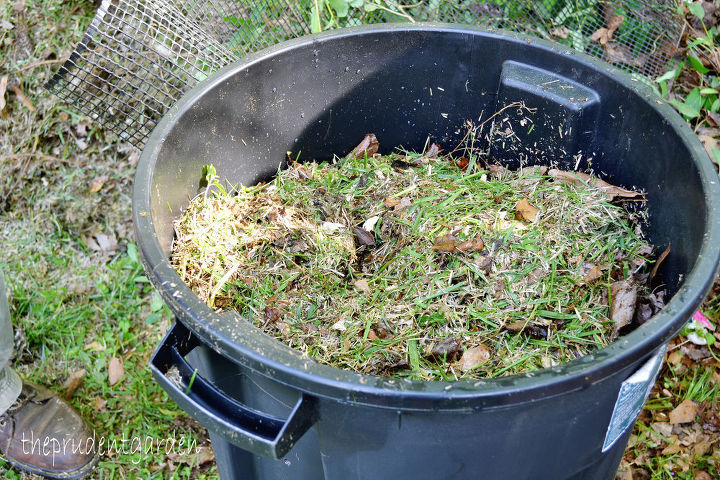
{"x":417,"y":265}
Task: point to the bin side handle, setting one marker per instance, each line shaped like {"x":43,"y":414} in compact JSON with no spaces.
{"x":240,"y":425}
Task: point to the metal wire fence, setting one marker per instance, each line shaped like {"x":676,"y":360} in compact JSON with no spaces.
{"x":139,"y":56}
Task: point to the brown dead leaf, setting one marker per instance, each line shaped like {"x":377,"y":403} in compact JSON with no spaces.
{"x":364,"y":237}
{"x":590,"y":272}
{"x":702,"y":475}
{"x":24,"y":100}
{"x":115,"y":370}
{"x":100,"y":404}
{"x":561,"y":32}
{"x":302,"y":173}
{"x":604,"y":34}
{"x":579,"y":177}
{"x":624,"y":298}
{"x":446,"y":348}
{"x":496,"y":170}
{"x":368,"y":147}
{"x":372,"y":335}
{"x":391,"y":202}
{"x":471,"y":245}
{"x":709,"y":142}
{"x":524,"y":210}
{"x":273,"y":314}
{"x":672,"y":448}
{"x":73,"y":382}
{"x":539,"y":332}
{"x":199,"y":456}
{"x":516,"y":326}
{"x":3,"y":89}
{"x":446,"y":243}
{"x":462,"y":163}
{"x":616,"y":52}
{"x":659,"y":261}
{"x":97,"y":183}
{"x":675,"y":357}
{"x":683,"y":413}
{"x":362,"y":285}
{"x":106,"y":243}
{"x":713,"y":118}
{"x":433,"y":151}
{"x":473,"y":357}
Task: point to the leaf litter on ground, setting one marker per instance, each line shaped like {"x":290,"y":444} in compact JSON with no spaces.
{"x":421,"y":265}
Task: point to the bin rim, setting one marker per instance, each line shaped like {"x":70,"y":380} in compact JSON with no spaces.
{"x":248,"y":346}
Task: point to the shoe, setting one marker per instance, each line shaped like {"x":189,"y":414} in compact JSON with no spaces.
{"x":43,"y":435}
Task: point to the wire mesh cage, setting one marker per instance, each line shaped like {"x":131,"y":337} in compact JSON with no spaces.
{"x":139,"y":56}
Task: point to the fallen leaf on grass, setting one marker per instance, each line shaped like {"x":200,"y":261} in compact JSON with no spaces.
{"x":683,"y":413}
{"x":101,"y":243}
{"x":579,"y":177}
{"x":604,"y":34}
{"x":709,"y":143}
{"x":675,"y":357}
{"x":23,"y":99}
{"x":713,"y":118}
{"x":391,"y":202}
{"x":97,"y":183}
{"x":200,"y":456}
{"x":100,"y":404}
{"x":539,"y":332}
{"x":590,"y":272}
{"x":473,"y":357}
{"x":496,"y":170}
{"x":364,"y":237}
{"x":368,"y":147}
{"x":272,"y":314}
{"x":524,"y":210}
{"x":73,"y":382}
{"x":433,"y":151}
{"x":462,"y":163}
{"x":446,"y":348}
{"x":3,"y":89}
{"x":362,"y":285}
{"x":622,"y":308}
{"x":115,"y":371}
{"x":448,"y":243}
{"x":445,"y":243}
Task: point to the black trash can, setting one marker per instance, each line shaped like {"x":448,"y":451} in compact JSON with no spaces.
{"x":273,"y":413}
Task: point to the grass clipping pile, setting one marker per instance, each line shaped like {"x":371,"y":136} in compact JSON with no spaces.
{"x":422,"y":265}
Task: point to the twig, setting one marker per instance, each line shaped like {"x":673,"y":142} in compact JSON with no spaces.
{"x":41,"y":156}
{"x":395,"y":12}
{"x":39,"y":64}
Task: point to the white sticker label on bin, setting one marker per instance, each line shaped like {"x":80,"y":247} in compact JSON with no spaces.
{"x":633,"y":393}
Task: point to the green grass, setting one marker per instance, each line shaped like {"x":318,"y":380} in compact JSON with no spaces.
{"x":69,"y":299}
{"x":77,"y":308}
{"x":284,"y":255}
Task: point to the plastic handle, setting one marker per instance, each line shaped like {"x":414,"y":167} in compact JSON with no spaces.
{"x":238,"y":424}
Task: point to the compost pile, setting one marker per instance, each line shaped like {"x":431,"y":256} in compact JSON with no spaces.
{"x":423,"y":265}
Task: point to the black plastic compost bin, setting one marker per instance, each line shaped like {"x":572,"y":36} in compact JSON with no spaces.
{"x":273,"y":413}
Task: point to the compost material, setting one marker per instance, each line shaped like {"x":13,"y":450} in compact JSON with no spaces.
{"x":423,"y":265}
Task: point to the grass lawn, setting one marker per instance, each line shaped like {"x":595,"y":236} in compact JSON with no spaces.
{"x":80,"y":302}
